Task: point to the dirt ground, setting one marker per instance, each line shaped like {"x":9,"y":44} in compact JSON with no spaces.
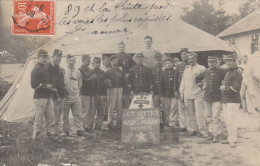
{"x":17,"y":148}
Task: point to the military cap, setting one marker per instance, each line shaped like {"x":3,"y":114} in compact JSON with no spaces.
{"x":212,"y":58}
{"x":231,"y":57}
{"x":184,"y":50}
{"x":57,"y":52}
{"x":193,"y":54}
{"x":121,"y":43}
{"x":113,"y":57}
{"x":97,"y":59}
{"x":169,"y":59}
{"x":158,"y":57}
{"x":105,"y":57}
{"x":42,"y":53}
{"x":86,"y":56}
{"x":139,"y":55}
{"x":70,"y":56}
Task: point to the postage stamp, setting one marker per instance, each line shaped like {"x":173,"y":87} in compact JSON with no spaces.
{"x":33,"y":17}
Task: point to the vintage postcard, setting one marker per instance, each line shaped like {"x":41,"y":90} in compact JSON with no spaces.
{"x":129,"y":82}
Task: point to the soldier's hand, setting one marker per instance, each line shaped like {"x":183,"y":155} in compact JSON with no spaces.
{"x":177,"y":95}
{"x":222,"y":87}
{"x":182,"y":98}
{"x":49,"y":86}
{"x":54,"y":89}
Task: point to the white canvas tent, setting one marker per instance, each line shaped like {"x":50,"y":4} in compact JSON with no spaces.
{"x":168,"y":37}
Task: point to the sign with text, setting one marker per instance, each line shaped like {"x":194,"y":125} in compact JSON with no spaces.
{"x":140,"y":126}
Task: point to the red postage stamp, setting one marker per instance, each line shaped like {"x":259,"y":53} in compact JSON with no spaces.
{"x":33,"y":17}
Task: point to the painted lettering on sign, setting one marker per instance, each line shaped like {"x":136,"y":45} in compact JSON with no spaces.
{"x":140,"y":125}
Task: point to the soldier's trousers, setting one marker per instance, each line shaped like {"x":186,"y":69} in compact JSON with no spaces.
{"x":212,"y":114}
{"x":195,"y":115}
{"x":170,"y":111}
{"x":182,"y":114}
{"x":99,"y":110}
{"x":156,"y":101}
{"x":115,"y":103}
{"x":75,"y":108}
{"x":243,"y":96}
{"x":88,"y":111}
{"x":58,"y":111}
{"x":44,"y":108}
{"x":231,"y":111}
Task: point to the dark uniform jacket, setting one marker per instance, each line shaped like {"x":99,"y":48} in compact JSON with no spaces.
{"x":213,"y":78}
{"x":57,"y":79}
{"x":140,"y":79}
{"x":100,"y":84}
{"x":117,"y":78}
{"x":125,"y":61}
{"x":88,"y":87}
{"x":39,"y":79}
{"x":178,"y":74}
{"x":167,"y":83}
{"x":156,"y":74}
{"x":232,"y":81}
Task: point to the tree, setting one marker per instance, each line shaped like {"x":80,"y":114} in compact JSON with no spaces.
{"x":248,"y":7}
{"x":204,"y":16}
{"x":19,"y":45}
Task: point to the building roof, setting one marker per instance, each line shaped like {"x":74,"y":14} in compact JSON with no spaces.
{"x":246,"y":24}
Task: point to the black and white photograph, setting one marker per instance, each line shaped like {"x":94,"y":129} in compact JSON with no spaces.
{"x":129,"y":82}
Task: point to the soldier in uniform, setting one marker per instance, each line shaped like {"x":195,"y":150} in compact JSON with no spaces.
{"x":192,"y":95}
{"x":41,"y":83}
{"x":101,"y":93}
{"x":140,"y":77}
{"x":178,"y":77}
{"x":231,"y":98}
{"x":170,"y":105}
{"x":125,"y":62}
{"x":88,"y":93}
{"x":212,"y":96}
{"x":116,"y":83}
{"x":105,"y":67}
{"x":156,"y":74}
{"x":57,"y":78}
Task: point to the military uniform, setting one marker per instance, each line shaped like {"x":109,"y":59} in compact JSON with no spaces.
{"x":88,"y":93}
{"x":231,"y":99}
{"x":140,"y":79}
{"x":166,"y":90}
{"x":42,"y":98}
{"x":126,"y":62}
{"x":117,"y":84}
{"x":212,"y":96}
{"x":101,"y":96}
{"x":156,"y":74}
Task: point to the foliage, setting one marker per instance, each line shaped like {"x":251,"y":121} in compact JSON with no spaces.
{"x":204,"y":16}
{"x":248,"y":7}
{"x":18,"y":45}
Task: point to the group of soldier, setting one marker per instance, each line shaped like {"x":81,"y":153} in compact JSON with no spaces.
{"x":190,"y":96}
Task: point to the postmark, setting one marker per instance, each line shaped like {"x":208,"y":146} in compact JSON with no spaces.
{"x":33,"y":17}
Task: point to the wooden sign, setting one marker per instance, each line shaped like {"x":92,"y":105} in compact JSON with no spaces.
{"x":140,"y":126}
